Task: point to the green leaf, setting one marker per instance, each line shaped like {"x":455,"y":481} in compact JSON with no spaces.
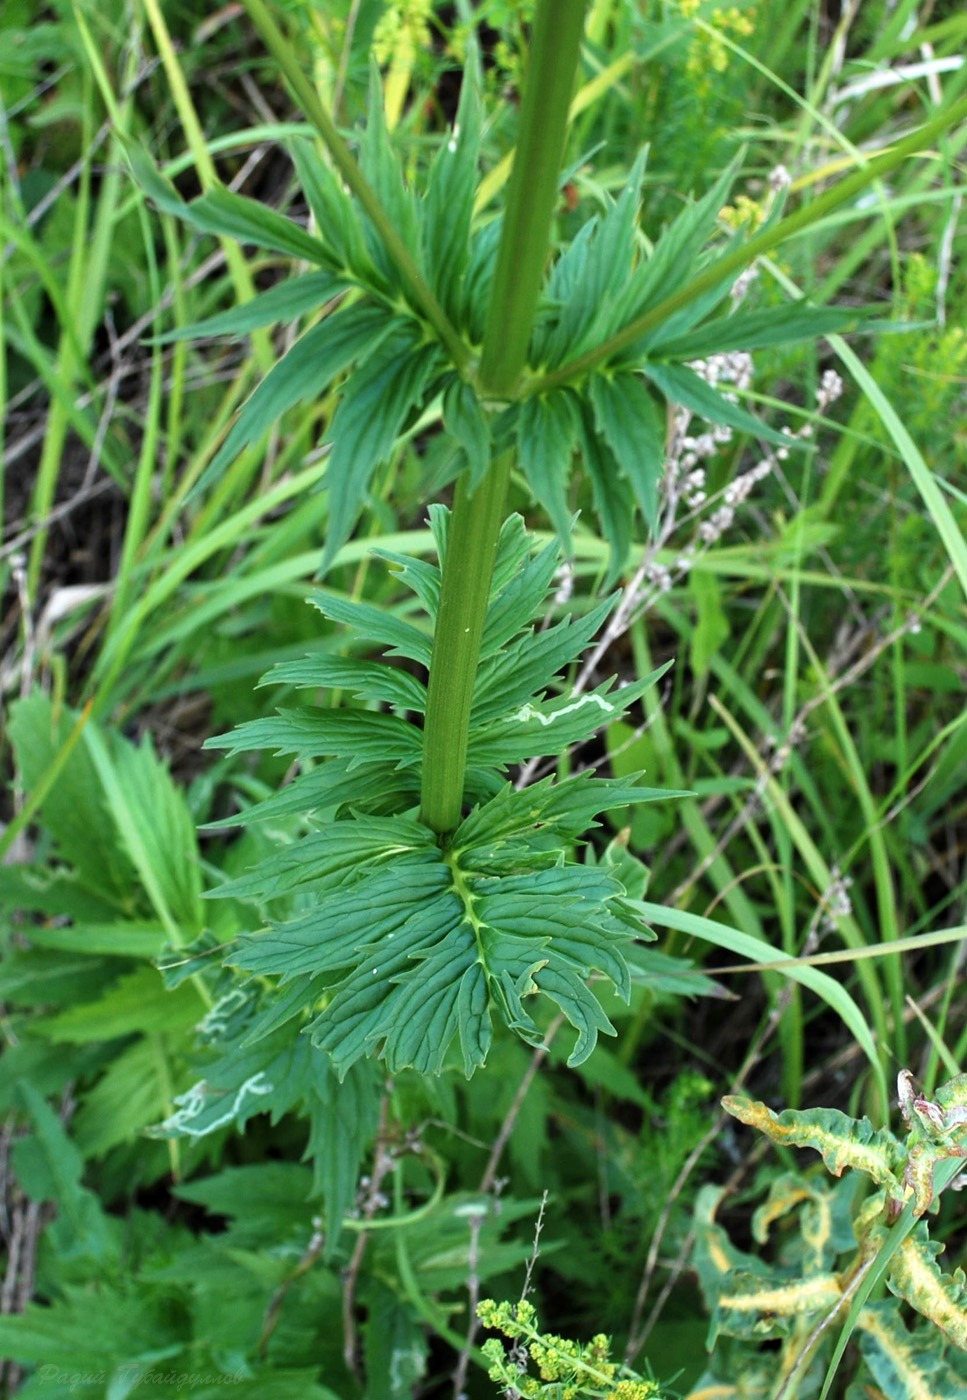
{"x":712,"y":629}
{"x":632,"y":427}
{"x":374,"y":624}
{"x":546,"y":438}
{"x":359,"y":735}
{"x":296,"y":296}
{"x":754,"y":330}
{"x":466,"y":422}
{"x":370,"y":679}
{"x":374,"y":406}
{"x":614,"y":500}
{"x":312,"y":364}
{"x":675,"y":256}
{"x":448,"y":206}
{"x":383,"y":169}
{"x":337,"y":220}
{"x":683,"y":386}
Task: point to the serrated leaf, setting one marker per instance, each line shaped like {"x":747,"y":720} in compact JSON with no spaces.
{"x":304,"y":372}
{"x":370,"y":679}
{"x":683,"y":386}
{"x":359,"y":735}
{"x":383,"y":170}
{"x":296,"y":296}
{"x":376,"y":624}
{"x":614,"y":501}
{"x":841,"y":1141}
{"x":328,"y":787}
{"x":631,"y":425}
{"x":374,"y":406}
{"x":529,"y":666}
{"x":675,"y":255}
{"x":546,"y":438}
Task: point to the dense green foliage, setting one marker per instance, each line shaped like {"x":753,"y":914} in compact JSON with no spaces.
{"x":295,"y":1070}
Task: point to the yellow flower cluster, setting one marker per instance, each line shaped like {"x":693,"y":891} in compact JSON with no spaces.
{"x":568,"y":1370}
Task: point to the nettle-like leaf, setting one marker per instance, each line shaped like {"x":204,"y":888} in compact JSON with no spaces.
{"x":905,"y":1365}
{"x":915,"y":1276}
{"x":842,"y":1141}
{"x":403,"y":947}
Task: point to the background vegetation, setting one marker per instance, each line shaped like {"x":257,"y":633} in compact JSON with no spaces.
{"x":812,"y":603}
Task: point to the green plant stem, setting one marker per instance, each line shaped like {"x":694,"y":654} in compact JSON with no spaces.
{"x":476,"y":520}
{"x":344,"y":161}
{"x":755,"y":247}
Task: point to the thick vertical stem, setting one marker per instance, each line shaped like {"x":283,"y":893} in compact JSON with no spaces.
{"x":476,"y":520}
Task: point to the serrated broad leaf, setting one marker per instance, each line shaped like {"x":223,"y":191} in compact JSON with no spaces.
{"x":906,"y":1365}
{"x":370,"y":679}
